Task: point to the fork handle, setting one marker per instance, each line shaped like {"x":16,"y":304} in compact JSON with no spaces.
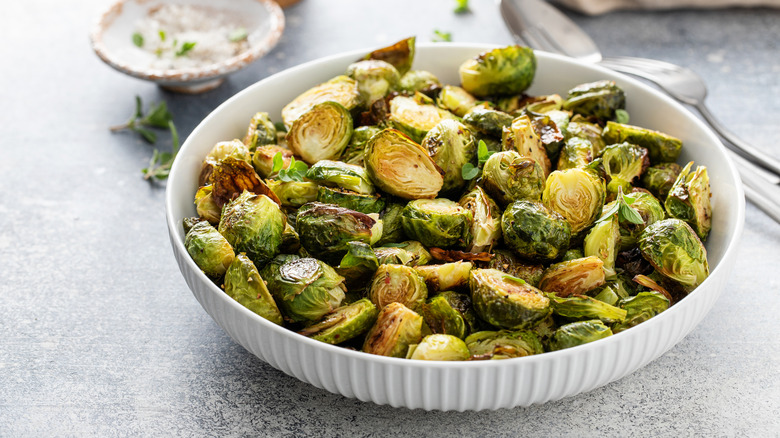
{"x":763,"y":194}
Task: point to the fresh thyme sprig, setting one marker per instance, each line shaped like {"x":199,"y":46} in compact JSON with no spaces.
{"x":157,"y":117}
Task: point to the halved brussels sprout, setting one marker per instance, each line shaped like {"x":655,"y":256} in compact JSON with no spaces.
{"x":401,"y":167}
{"x":502,"y":71}
{"x":506,"y":301}
{"x":306,"y":289}
{"x":253,"y":224}
{"x":261,"y":132}
{"x":345,"y":323}
{"x":351,"y":200}
{"x":358,"y":265}
{"x":573,"y":277}
{"x":291,"y":241}
{"x":534,"y":232}
{"x":580,"y":307}
{"x":244,"y":284}
{"x":395,"y":329}
{"x":419,"y":81}
{"x":576,"y":152}
{"x":415,"y":116}
{"x":578,"y":333}
{"x":341,"y":89}
{"x":640,"y":308}
{"x":451,"y":145}
{"x":392,"y":224}
{"x":521,"y":137}
{"x":623,"y":163}
{"x":689,"y":199}
{"x":487,"y":121}
{"x":222,"y":150}
{"x":508,"y":176}
{"x":437,"y":222}
{"x":661,"y":148}
{"x":206,"y":207}
{"x":326,"y":230}
{"x":612,"y":292}
{"x":321,"y":133}
{"x":231,"y":176}
{"x":455,"y":99}
{"x":550,"y":133}
{"x":409,"y":253}
{"x":486,"y":219}
{"x":578,"y":127}
{"x":339,"y":174}
{"x":597,"y":99}
{"x":603,"y":241}
{"x":660,"y":178}
{"x":439,"y":347}
{"x":577,"y":195}
{"x":353,"y":153}
{"x":506,"y":261}
{"x":445,"y":276}
{"x":263,"y":159}
{"x":450,"y":313}
{"x":675,"y":251}
{"x":397,"y":284}
{"x":208,"y":249}
{"x":503,"y":344}
{"x":294,"y":193}
{"x":400,"y":55}
{"x":375,"y":78}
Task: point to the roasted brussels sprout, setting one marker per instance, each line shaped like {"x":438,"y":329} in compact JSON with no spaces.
{"x":578,"y":333}
{"x":400,"y":55}
{"x":326,"y":230}
{"x":345,"y":323}
{"x":521,"y":137}
{"x":689,"y":199}
{"x":660,"y":178}
{"x":597,"y":99}
{"x":439,"y":347}
{"x":354,"y":201}
{"x":401,"y":167}
{"x":419,"y":81}
{"x":573,"y":277}
{"x":353,"y":153}
{"x":577,"y":195}
{"x":395,"y":329}
{"x":341,"y":89}
{"x":583,"y":308}
{"x":445,"y":276}
{"x":397,"y":284}
{"x":486,"y":220}
{"x":503,"y":344}
{"x":441,"y":317}
{"x":661,"y":148}
{"x":578,"y":127}
{"x":253,"y":224}
{"x":375,"y":78}
{"x":640,"y":308}
{"x":261,"y":132}
{"x":208,"y":249}
{"x":576,"y":152}
{"x":506,"y":301}
{"x":321,"y":133}
{"x":534,"y":232}
{"x":675,"y":251}
{"x":623,"y":163}
{"x":263,"y":159}
{"x":508,"y":176}
{"x":649,"y":209}
{"x":225,"y":149}
{"x":231,"y":176}
{"x":243,"y":284}
{"x":392,"y":224}
{"x":437,"y":222}
{"x":339,"y":174}
{"x":502,"y":71}
{"x":409,"y":253}
{"x":291,"y":241}
{"x":603,"y":241}
{"x":306,"y":289}
{"x":415,"y":116}
{"x":455,"y":99}
{"x":206,"y":207}
{"x":358,"y":265}
{"x":487,"y":121}
{"x":451,"y":145}
{"x":612,"y":292}
{"x":294,"y":193}
{"x":506,"y":261}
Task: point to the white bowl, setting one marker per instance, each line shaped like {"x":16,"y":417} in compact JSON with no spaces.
{"x":112,"y":41}
{"x":461,"y":385}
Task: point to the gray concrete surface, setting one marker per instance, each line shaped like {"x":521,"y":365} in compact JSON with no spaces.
{"x":99,"y":335}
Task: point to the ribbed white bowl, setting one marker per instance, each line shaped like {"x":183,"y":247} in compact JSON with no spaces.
{"x":460,"y":385}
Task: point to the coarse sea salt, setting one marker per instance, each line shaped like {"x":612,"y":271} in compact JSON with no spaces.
{"x":166,"y":29}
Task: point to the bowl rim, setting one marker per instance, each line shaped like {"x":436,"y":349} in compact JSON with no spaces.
{"x":107,"y":17}
{"x":635,"y":332}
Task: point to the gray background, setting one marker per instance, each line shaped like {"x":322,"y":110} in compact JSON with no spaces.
{"x":99,"y":335}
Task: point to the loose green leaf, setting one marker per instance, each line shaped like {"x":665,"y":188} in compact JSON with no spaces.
{"x":138,"y":39}
{"x":278,"y":163}
{"x":483,"y":153}
{"x":238,"y":35}
{"x":513,"y":279}
{"x":158,"y":116}
{"x":295,"y":172}
{"x":280,"y":127}
{"x":439,"y":36}
{"x":624,"y":210}
{"x":462,"y":6}
{"x":469,"y":171}
{"x":148,"y":135}
{"x":621,"y":116}
{"x":185,"y":48}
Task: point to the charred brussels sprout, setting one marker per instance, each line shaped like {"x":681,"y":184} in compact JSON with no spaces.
{"x":321,"y":133}
{"x":675,"y":251}
{"x":503,"y":344}
{"x":689,"y":199}
{"x":660,"y":178}
{"x":640,"y":308}
{"x":486,"y":220}
{"x":442,"y":318}
{"x":232,"y":176}
{"x":294,"y":193}
{"x":508,"y":262}
{"x":352,"y":200}
{"x":291,"y":241}
{"x":253,"y":224}
{"x":439,"y":347}
{"x":225,"y":149}
{"x":204,"y":203}
{"x":598,"y":99}
{"x":419,"y":81}
{"x":326,"y":230}
{"x":581,"y":307}
{"x":263,"y":159}
{"x":572,"y":254}
{"x":502,"y":71}
{"x":401,"y":167}
{"x":345,"y":323}
{"x":534,"y":232}
{"x":397,"y":284}
{"x":353,"y":153}
{"x":358,"y":265}
{"x":338,"y":174}
{"x":577,"y":195}
{"x":395,"y":329}
{"x":623,"y":163}
{"x":243,"y":284}
{"x":508,"y":176}
{"x":603,"y":241}
{"x":400,"y":55}
{"x":210,"y":251}
{"x":505,"y":301}
{"x":437,"y":222}
{"x":415,"y":116}
{"x":261,"y":132}
{"x":455,"y":99}
{"x":445,"y":276}
{"x":487,"y":121}
{"x":451,"y":145}
{"x":521,"y":137}
{"x":576,"y":152}
{"x":341,"y":89}
{"x":578,"y":127}
{"x":392,"y":224}
{"x":375,"y":78}
{"x":573,"y":277}
{"x":661,"y":148}
{"x":306,"y":289}
{"x":578,"y":333}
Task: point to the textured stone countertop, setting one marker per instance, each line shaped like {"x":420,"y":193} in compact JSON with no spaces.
{"x":100,"y":336}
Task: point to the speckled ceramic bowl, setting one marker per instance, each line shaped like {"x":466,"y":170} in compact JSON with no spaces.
{"x":112,"y":41}
{"x":461,"y":385}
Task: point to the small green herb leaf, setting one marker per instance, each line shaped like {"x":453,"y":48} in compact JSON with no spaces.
{"x":439,"y":36}
{"x":238,"y":35}
{"x":483,"y":153}
{"x":138,"y":39}
{"x":148,"y":135}
{"x":278,"y":163}
{"x":517,"y":280}
{"x":158,"y":116}
{"x":469,"y":171}
{"x":280,"y":127}
{"x":621,"y":116}
{"x":461,"y":6}
{"x":185,"y":48}
{"x":162,"y":35}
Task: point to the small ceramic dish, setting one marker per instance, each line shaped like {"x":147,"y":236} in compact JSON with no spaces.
{"x":112,"y":40}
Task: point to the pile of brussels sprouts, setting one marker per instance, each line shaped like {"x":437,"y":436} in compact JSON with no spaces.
{"x":400,"y":216}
